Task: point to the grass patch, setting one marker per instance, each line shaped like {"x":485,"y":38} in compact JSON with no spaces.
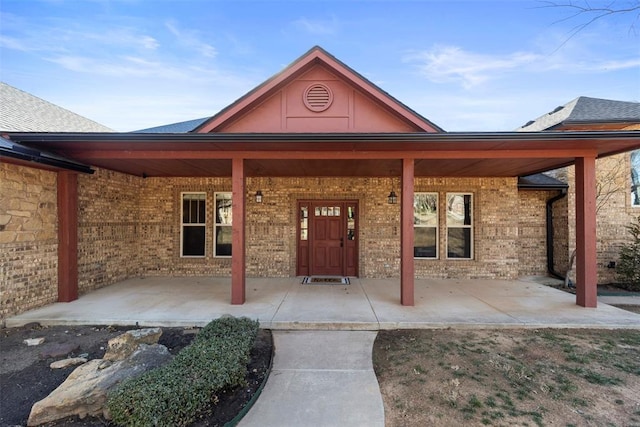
{"x":492,"y":377}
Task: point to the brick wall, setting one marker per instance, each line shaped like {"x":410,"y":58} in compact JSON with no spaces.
{"x":271,"y":226}
{"x":159,"y":232}
{"x":108,"y":217}
{"x":28,"y":239}
{"x":614,"y":212}
{"x":130,"y":226}
{"x":532,"y":233}
{"x":495,"y":207}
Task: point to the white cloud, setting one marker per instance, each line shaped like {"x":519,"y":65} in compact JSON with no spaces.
{"x":192,"y":40}
{"x":317,"y":26}
{"x":446,"y":64}
{"x":122,"y":67}
{"x":451,"y":63}
{"x":13,"y":44}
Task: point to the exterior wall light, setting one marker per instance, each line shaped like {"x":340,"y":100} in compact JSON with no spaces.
{"x":259,"y":196}
{"x":392,"y":198}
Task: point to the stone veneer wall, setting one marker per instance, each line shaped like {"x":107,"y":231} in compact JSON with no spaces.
{"x":28,"y":239}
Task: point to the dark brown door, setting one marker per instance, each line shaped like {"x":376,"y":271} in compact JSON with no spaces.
{"x":327,"y":245}
{"x":327,"y":238}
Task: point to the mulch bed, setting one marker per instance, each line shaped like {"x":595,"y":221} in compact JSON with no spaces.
{"x":25,"y":375}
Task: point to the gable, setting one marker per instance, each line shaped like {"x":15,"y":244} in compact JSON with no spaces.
{"x":317,"y":94}
{"x":318,"y":101}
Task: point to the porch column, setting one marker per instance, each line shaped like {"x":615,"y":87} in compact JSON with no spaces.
{"x":67,"y":183}
{"x":586,"y":263}
{"x":406,"y":234}
{"x":238,"y":235}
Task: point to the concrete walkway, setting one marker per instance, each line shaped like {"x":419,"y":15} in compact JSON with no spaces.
{"x":320,"y":378}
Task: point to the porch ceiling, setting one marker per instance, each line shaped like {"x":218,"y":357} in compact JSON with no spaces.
{"x":447,"y":154}
{"x":331,"y":168}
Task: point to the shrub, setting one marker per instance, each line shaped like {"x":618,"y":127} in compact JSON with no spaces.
{"x":174,"y":394}
{"x":629,"y":264}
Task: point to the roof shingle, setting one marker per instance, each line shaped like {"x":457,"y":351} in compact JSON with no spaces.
{"x":586,"y":110}
{"x":23,"y":112}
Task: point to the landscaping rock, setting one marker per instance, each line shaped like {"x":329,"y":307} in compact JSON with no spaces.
{"x":85,"y":391}
{"x":64,"y":363}
{"x":58,"y":350}
{"x":124,"y":345}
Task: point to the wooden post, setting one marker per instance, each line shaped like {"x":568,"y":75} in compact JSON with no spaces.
{"x":586,"y":261}
{"x":407,"y":272}
{"x":67,"y":183}
{"x":238,"y":256}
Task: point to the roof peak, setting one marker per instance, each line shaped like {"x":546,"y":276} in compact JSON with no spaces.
{"x":586,"y":110}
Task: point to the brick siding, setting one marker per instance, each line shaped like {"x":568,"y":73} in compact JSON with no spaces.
{"x":130,"y":227}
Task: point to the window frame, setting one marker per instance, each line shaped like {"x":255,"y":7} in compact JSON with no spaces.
{"x":436,"y":226}
{"x":464,"y":226}
{"x":190,"y":224}
{"x":217,"y":224}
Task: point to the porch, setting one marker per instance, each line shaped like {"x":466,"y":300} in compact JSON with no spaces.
{"x":364,"y":304}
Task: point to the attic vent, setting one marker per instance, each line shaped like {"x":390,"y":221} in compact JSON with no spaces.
{"x":317,"y":97}
{"x":556,"y":109}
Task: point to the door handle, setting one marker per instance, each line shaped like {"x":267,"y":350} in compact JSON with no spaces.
{"x":341,"y":241}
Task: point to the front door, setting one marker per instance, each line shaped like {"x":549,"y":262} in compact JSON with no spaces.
{"x":327,"y":238}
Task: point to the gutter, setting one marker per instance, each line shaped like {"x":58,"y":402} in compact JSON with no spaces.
{"x":12,"y":150}
{"x":550,"y":268}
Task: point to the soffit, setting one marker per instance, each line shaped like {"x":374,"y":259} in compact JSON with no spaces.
{"x":462,"y":154}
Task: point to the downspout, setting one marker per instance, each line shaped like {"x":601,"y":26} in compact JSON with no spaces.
{"x":550,"y":203}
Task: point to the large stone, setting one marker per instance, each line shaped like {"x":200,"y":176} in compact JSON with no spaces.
{"x":85,"y":391}
{"x":65,"y":363}
{"x":57,"y":350}
{"x":123,"y":345}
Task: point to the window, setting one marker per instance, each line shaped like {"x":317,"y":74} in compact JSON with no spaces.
{"x":635,"y":178}
{"x":459,"y":226}
{"x":304,"y":223}
{"x":425,"y":225}
{"x":193,"y":227}
{"x":222,"y":244}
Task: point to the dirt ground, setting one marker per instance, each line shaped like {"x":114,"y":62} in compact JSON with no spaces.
{"x":25,"y":375}
{"x":509,"y":377}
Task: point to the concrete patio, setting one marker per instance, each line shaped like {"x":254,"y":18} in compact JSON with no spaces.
{"x":365,"y":304}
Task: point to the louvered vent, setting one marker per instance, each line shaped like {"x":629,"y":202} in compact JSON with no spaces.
{"x":318,"y":97}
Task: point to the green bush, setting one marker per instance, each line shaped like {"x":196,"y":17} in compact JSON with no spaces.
{"x":174,"y":394}
{"x":628,"y":269}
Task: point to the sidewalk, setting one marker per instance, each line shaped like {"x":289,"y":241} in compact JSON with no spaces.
{"x":320,"y":378}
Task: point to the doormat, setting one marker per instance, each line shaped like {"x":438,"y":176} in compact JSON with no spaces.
{"x":324,"y":280}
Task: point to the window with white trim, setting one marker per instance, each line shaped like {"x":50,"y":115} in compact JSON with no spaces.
{"x":459,"y":225}
{"x":222,"y":242}
{"x":193,"y":225}
{"x":425,"y":225}
{"x":635,"y":178}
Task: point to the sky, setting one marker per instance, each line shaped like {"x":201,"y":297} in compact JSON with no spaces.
{"x":464,"y":65}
